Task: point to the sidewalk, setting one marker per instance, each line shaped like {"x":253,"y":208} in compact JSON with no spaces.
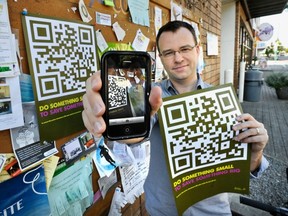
{"x":272,"y":187}
{"x":273,"y":113}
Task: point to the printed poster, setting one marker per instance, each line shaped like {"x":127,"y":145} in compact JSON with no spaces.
{"x":78,"y":147}
{"x":26,"y":140}
{"x":202,"y":158}
{"x":104,"y":159}
{"x":62,"y":55}
{"x":11,"y":113}
{"x":25,"y":194}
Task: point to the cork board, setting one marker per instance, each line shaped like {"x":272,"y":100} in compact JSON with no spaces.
{"x":61,"y":9}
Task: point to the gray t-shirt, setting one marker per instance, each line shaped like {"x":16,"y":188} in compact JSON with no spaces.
{"x":158,"y":191}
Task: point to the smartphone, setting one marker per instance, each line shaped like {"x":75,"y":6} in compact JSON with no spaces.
{"x":126,"y":85}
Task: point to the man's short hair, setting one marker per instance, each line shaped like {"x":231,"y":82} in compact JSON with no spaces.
{"x":173,"y":26}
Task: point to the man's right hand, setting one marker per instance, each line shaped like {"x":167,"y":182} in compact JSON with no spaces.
{"x":94,"y":106}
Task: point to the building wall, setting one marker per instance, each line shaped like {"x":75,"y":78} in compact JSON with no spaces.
{"x":227,"y":39}
{"x":211,"y":16}
{"x":241,"y":19}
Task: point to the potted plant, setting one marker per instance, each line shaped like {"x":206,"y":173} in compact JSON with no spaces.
{"x":279,"y":81}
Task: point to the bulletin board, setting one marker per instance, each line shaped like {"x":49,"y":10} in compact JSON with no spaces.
{"x":65,"y":9}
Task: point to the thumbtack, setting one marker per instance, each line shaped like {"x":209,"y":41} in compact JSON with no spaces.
{"x":25,"y":11}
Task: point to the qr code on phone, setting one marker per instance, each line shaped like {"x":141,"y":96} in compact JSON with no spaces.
{"x":117,"y":94}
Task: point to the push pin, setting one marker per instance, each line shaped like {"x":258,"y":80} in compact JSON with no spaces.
{"x":74,"y":9}
{"x":25,"y":11}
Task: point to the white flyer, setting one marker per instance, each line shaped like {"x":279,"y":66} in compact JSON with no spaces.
{"x":4,"y":18}
{"x":101,"y":42}
{"x":85,"y":16}
{"x":11,"y":112}
{"x":140,"y":42}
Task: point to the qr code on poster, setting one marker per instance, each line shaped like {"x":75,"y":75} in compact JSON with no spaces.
{"x":198,"y":130}
{"x":62,"y":55}
{"x":117,"y":94}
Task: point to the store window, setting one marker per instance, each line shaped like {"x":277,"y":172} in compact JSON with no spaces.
{"x":246,"y":46}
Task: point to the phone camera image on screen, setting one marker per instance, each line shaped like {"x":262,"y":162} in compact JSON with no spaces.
{"x":127,"y":86}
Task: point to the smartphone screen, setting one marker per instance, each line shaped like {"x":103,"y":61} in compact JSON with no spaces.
{"x":126,"y":78}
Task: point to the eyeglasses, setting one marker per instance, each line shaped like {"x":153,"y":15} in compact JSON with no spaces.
{"x":183,"y":50}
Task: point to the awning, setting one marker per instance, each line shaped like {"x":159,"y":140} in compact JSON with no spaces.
{"x":260,"y":8}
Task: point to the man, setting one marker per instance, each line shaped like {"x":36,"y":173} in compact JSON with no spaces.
{"x":176,"y":42}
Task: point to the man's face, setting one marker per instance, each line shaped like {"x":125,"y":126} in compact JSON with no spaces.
{"x":180,"y":66}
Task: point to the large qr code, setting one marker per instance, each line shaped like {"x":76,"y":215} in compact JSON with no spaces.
{"x":117,"y":93}
{"x":198,"y":130}
{"x":62,"y":55}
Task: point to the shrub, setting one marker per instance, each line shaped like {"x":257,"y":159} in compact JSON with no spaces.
{"x":277,"y":80}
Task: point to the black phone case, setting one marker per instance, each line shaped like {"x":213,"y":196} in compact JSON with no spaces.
{"x":133,"y":130}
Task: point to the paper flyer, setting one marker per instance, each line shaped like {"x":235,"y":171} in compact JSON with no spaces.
{"x":4,"y":18}
{"x":103,"y":19}
{"x":104,"y":159}
{"x":10,"y":167}
{"x":176,"y":11}
{"x":106,"y":183}
{"x":212,"y":44}
{"x":140,"y":42}
{"x":61,"y":56}
{"x":8,"y":59}
{"x":26,"y":88}
{"x":118,"y":202}
{"x":25,"y":194}
{"x":133,"y":178}
{"x":50,"y":165}
{"x":2,"y":161}
{"x":78,"y":147}
{"x":26,"y":143}
{"x":139,"y":11}
{"x":85,"y":16}
{"x":157,"y":18}
{"x":11,"y":113}
{"x":101,"y":42}
{"x":71,"y":191}
{"x":197,"y":134}
{"x":119,"y":31}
